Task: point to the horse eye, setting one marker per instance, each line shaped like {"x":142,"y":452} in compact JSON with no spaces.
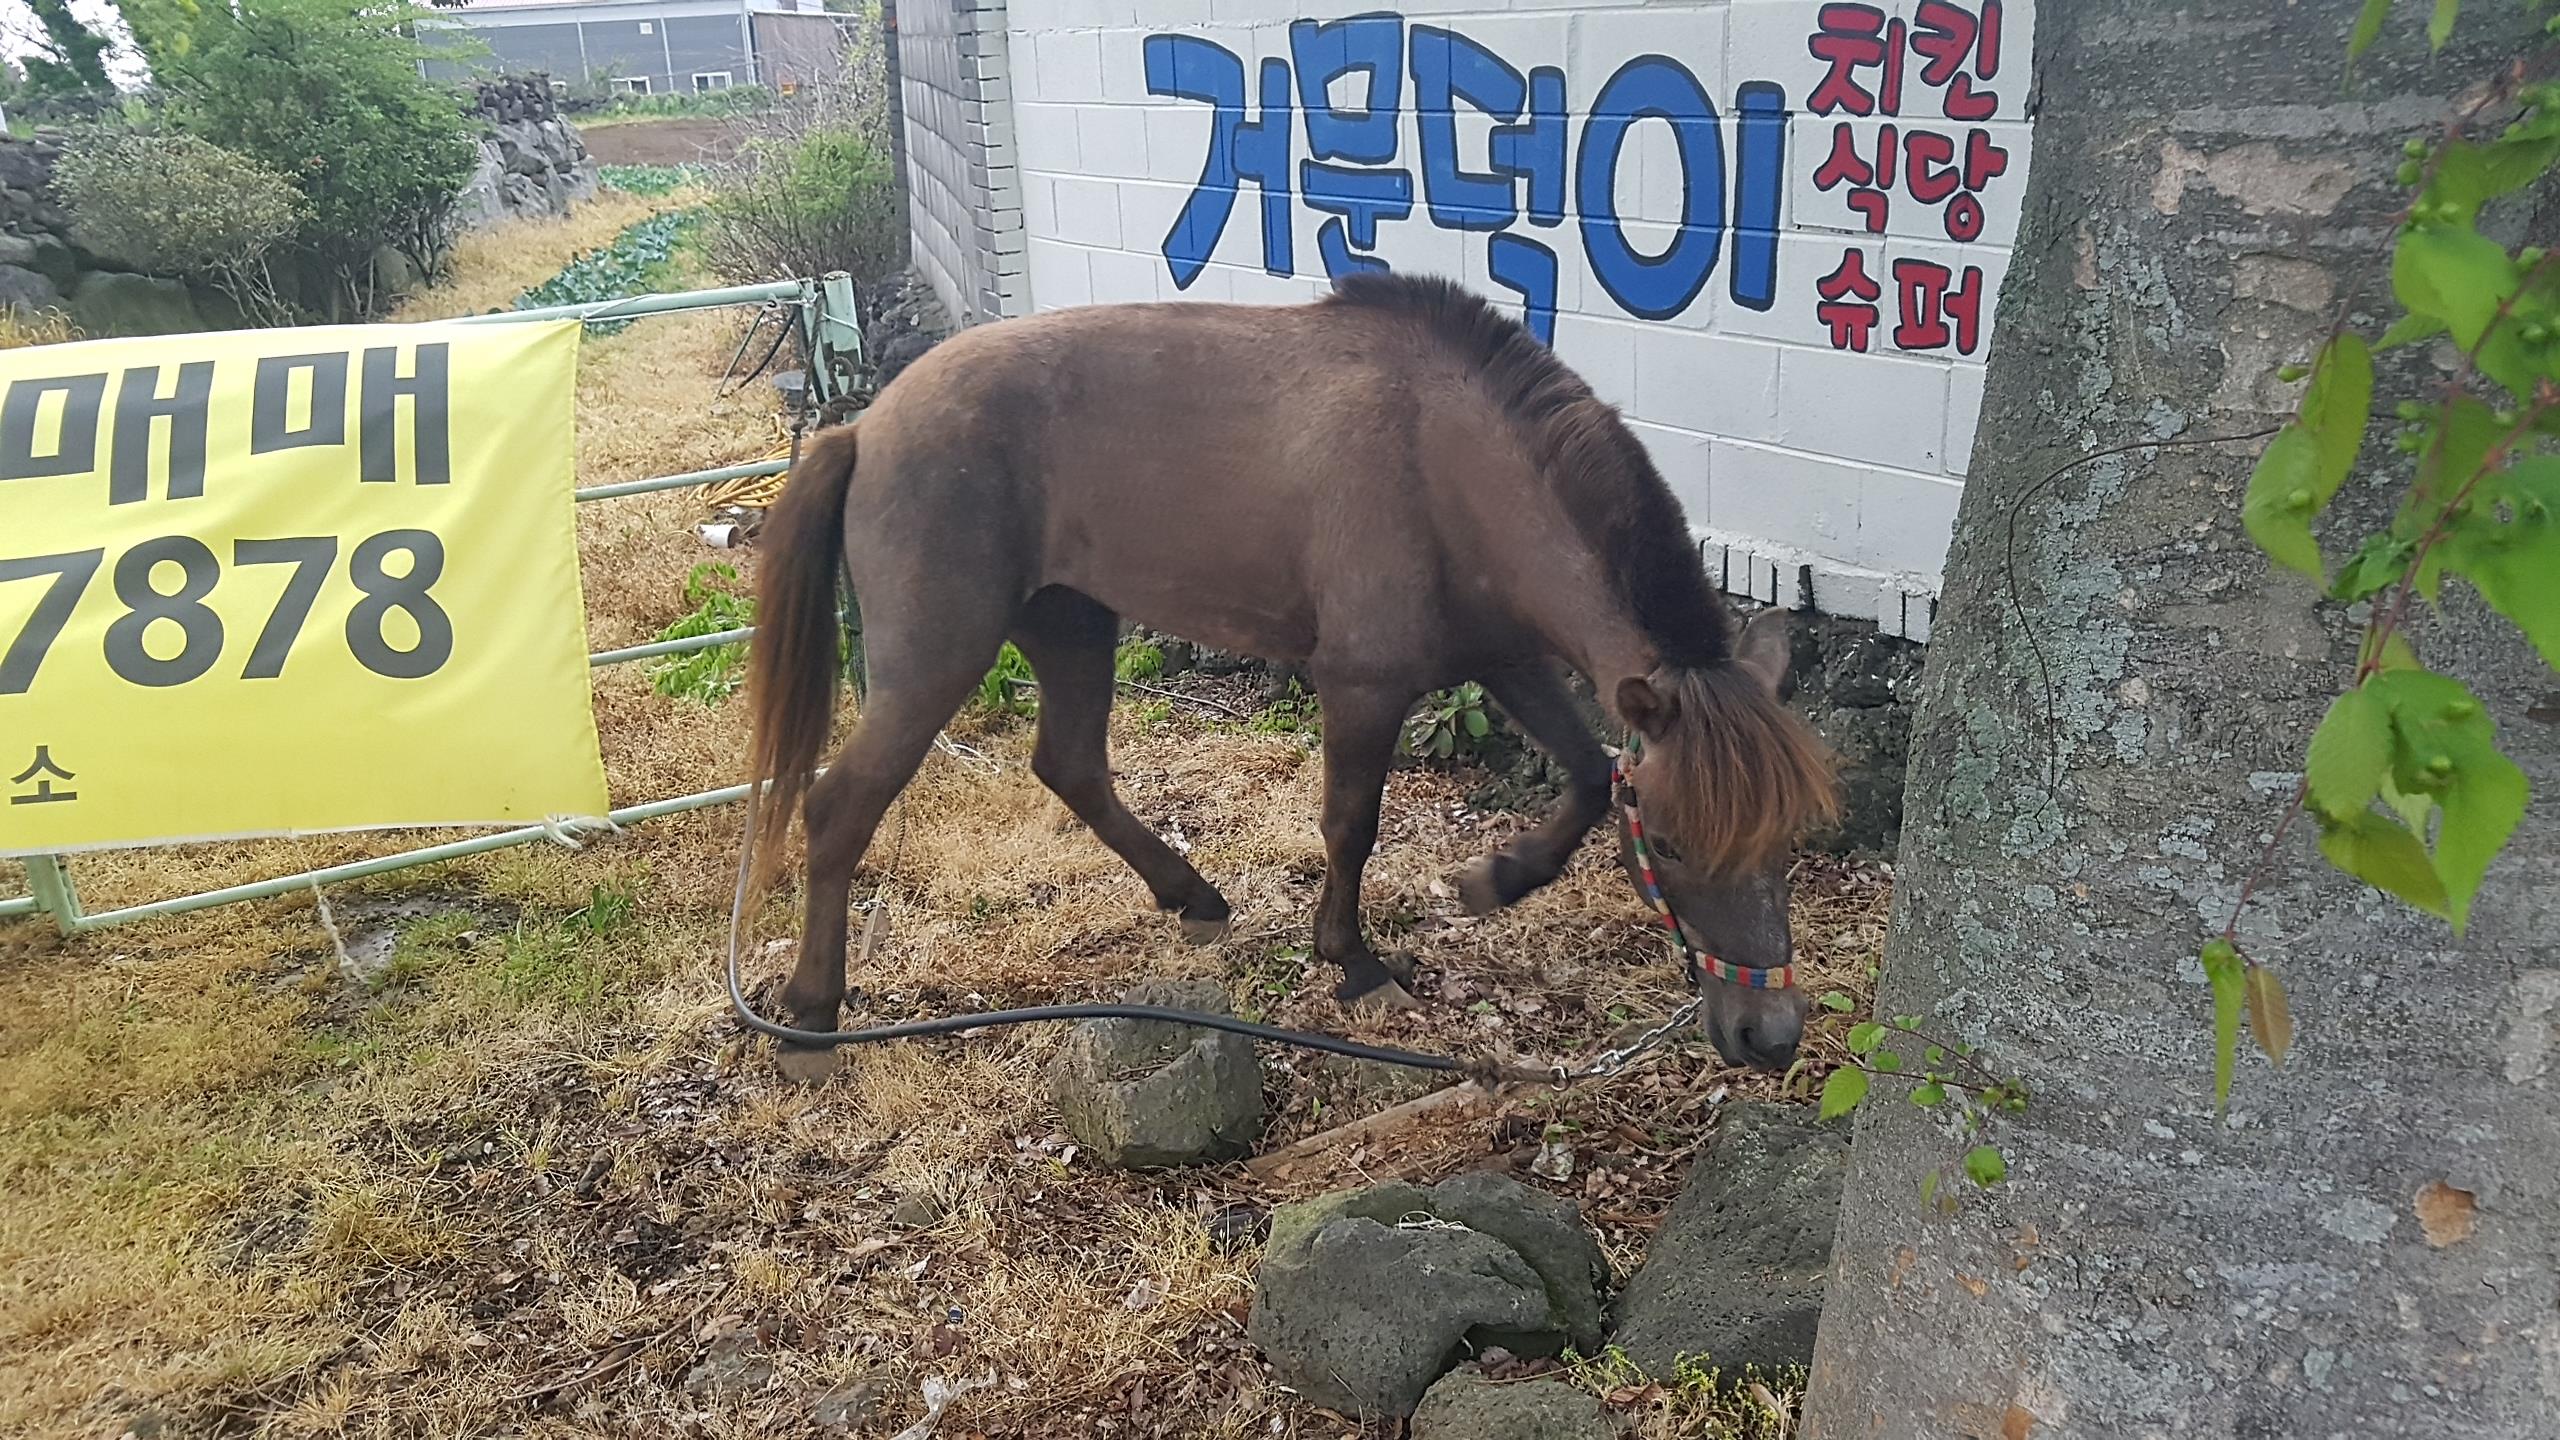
{"x":1667,"y":851}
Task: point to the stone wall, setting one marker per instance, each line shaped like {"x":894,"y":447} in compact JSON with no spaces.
{"x":532,"y":164}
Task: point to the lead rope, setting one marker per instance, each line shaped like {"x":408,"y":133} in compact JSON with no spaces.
{"x":1485,"y":1070}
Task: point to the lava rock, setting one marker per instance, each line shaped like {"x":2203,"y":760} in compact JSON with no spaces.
{"x":1467,"y":1406}
{"x":1365,"y":1297}
{"x":1142,"y":1094}
{"x":1735,"y":1274}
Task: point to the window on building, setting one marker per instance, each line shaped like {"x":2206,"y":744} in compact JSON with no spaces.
{"x":628,"y":85}
{"x":705,"y":81}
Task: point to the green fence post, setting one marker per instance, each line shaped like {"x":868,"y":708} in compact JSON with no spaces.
{"x":53,"y":891}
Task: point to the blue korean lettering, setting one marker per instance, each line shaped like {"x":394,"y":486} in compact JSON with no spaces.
{"x":1529,"y":268}
{"x":1654,"y":287}
{"x":1447,"y":68}
{"x":1325,"y":51}
{"x":1760,"y":158}
{"x":1357,"y":200}
{"x":1240,"y":150}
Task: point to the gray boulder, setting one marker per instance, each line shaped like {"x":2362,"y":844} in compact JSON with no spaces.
{"x":1467,"y":1406}
{"x":1367,"y":1296}
{"x":1141,"y":1094}
{"x":26,"y":291}
{"x":1735,"y":1274}
{"x":112,"y":303}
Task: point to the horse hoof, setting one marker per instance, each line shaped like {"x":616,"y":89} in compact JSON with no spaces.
{"x":1205,"y":932}
{"x":1479,"y":889}
{"x":1388,"y":999}
{"x":807,"y":1064}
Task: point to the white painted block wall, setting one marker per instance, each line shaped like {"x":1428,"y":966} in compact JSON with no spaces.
{"x":1817,"y":438}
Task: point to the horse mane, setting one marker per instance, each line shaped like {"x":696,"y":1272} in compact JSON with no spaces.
{"x":1749,"y":774}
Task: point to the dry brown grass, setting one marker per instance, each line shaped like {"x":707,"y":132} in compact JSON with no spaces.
{"x":492,"y":267}
{"x":526,"y":1180}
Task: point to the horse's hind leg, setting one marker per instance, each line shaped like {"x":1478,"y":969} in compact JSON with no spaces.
{"x":1536,"y":698}
{"x":1360,"y":725}
{"x":1069,"y":639}
{"x":917,"y":681}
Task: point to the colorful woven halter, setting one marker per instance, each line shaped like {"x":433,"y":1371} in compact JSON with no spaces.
{"x":1701,"y":965}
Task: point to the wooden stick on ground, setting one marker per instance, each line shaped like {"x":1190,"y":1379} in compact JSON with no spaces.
{"x":1445,"y":1102}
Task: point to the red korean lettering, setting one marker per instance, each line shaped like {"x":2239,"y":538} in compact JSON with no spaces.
{"x":1851,"y":38}
{"x":1929,"y":170}
{"x":1870,"y":182}
{"x":1928,"y":305}
{"x":1947,"y":35}
{"x":1848,"y":302}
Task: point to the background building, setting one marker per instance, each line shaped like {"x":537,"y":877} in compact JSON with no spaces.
{"x":654,"y":47}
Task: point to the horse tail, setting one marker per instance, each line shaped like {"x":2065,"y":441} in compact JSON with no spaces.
{"x":796,"y":657}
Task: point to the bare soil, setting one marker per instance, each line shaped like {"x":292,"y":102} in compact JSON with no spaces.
{"x":662,"y":142}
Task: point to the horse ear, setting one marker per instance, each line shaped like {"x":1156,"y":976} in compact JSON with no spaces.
{"x":1647,"y":709}
{"x":1763,"y":650}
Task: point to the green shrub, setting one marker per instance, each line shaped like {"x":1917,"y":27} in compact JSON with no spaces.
{"x":175,"y":204}
{"x":1008,"y":689}
{"x":804,"y":205}
{"x":1449,"y":722}
{"x":327,"y":93}
{"x":713,"y":675}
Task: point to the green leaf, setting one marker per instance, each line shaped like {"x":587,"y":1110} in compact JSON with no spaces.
{"x":2440,"y":24}
{"x":2409,"y":330}
{"x":2368,"y":28}
{"x":2336,"y":407}
{"x":1838,"y":1002}
{"x":1443,"y":743}
{"x":2446,"y":744}
{"x":2375,"y":568}
{"x":2283,"y":496}
{"x":2414,"y":809}
{"x":1984,"y":1166}
{"x":1863,"y":1037}
{"x":1888,"y":1062}
{"x":2349,"y":753}
{"x":2453,"y":272}
{"x":2383,"y":853}
{"x":2508,"y":547}
{"x":1928,"y":1093}
{"x":2270,"y":1016}
{"x":1477,"y":725}
{"x":1842,"y":1091}
{"x":1929,"y":1188}
{"x":2224,"y":968}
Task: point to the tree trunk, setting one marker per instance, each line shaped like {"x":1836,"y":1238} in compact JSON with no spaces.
{"x":2365,"y":1245}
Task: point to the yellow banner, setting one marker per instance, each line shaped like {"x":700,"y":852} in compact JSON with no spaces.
{"x":286,"y":581}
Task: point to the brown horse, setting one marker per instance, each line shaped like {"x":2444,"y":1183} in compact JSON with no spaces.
{"x":1396,"y":487}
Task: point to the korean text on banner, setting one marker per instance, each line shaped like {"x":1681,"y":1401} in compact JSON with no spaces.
{"x":290,"y":580}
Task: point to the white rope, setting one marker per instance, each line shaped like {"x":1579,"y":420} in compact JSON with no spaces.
{"x":565,"y":829}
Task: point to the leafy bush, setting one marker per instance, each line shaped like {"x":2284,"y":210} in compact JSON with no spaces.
{"x":1450,"y":722}
{"x":1137,"y":660}
{"x":711,"y":675}
{"x":813,"y":189}
{"x":176,"y":204}
{"x":636,"y":262}
{"x":1008,"y":688}
{"x":704,"y":104}
{"x":329,"y":94}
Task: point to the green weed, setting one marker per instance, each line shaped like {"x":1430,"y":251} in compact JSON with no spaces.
{"x":713,"y":675}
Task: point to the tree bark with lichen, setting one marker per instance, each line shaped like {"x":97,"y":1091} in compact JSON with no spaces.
{"x":2118,"y":695}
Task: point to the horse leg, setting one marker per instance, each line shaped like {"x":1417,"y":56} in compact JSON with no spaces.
{"x":917,"y":681}
{"x":1069,"y":640}
{"x":1535,"y":697}
{"x":1360,"y":726}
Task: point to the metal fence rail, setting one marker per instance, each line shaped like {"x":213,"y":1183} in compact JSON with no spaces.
{"x":831,"y":336}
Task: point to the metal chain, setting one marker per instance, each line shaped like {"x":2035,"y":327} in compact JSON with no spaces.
{"x":1609,"y":1062}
